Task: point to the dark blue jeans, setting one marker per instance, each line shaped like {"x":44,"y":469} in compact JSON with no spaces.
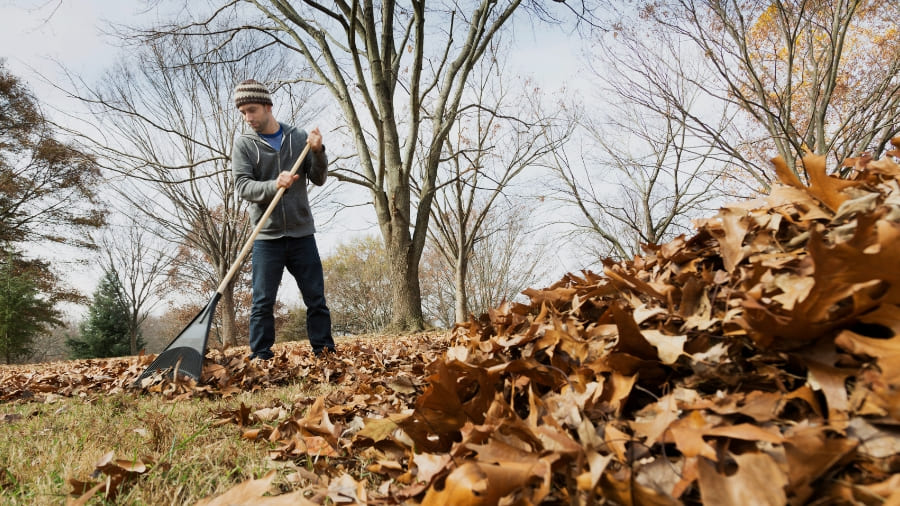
{"x":301,"y":258}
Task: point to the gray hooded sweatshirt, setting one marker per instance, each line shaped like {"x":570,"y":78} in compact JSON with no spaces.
{"x":255,"y":165}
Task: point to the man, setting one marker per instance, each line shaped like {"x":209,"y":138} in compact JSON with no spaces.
{"x":261,"y":163}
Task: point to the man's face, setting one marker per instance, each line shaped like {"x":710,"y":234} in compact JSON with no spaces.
{"x":258,"y":116}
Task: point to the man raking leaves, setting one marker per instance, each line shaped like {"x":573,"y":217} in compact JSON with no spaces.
{"x":259,"y":163}
{"x":283,"y":236}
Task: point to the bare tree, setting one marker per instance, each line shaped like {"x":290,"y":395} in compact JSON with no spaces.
{"x":642,"y":183}
{"x":398,"y":74}
{"x":140,"y":265}
{"x":167,"y":123}
{"x":357,"y":286}
{"x":498,"y":138}
{"x":640,"y":169}
{"x":507,"y":260}
{"x":808,"y":76}
{"x":53,"y":343}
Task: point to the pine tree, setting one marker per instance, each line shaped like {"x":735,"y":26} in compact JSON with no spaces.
{"x":105,"y":332}
{"x":24,"y":314}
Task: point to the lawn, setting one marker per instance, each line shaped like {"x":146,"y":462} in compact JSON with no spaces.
{"x":192,"y":441}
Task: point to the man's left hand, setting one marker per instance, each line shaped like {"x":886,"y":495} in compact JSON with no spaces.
{"x":315,"y":140}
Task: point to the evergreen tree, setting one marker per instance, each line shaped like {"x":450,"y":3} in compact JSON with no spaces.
{"x":105,"y":332}
{"x":24,"y":314}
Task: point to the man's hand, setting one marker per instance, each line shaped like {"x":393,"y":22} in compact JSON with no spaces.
{"x":315,"y":140}
{"x":285,"y":179}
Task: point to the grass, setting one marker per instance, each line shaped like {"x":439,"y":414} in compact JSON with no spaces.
{"x":49,"y":439}
{"x":49,"y":443}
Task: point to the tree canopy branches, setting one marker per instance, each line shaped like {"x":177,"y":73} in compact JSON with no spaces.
{"x":47,"y":186}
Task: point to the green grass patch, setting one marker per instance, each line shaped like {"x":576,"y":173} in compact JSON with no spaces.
{"x":43,"y":445}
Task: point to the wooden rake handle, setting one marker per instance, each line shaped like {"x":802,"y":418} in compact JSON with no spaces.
{"x":262,"y":221}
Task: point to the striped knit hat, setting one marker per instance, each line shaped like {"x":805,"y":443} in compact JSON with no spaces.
{"x":251,"y":91}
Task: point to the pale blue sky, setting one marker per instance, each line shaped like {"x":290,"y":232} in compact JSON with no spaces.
{"x":38,"y":31}
{"x":71,"y":31}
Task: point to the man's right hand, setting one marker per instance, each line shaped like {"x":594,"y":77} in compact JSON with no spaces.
{"x":285,"y":179}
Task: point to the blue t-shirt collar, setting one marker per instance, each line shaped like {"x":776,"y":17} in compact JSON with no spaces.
{"x":274,"y":140}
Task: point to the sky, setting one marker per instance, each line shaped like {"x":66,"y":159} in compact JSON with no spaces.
{"x":38,"y":35}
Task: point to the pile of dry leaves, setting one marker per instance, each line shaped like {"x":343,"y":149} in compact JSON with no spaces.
{"x":757,"y":362}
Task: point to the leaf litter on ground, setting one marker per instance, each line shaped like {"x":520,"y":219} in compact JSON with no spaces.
{"x":757,"y":361}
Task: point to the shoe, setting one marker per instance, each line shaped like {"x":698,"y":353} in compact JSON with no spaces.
{"x":324,"y":352}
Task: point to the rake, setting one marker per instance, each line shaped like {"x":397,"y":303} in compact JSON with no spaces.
{"x":184,"y":355}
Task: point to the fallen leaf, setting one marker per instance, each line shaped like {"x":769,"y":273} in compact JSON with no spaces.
{"x":758,"y":480}
{"x":481,"y":484}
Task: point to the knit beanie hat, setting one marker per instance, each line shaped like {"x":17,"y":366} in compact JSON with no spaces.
{"x":251,"y":91}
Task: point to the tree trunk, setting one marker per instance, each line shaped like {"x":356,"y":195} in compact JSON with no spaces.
{"x":229,"y":336}
{"x":406,"y":296}
{"x":461,"y":303}
{"x":133,"y":337}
